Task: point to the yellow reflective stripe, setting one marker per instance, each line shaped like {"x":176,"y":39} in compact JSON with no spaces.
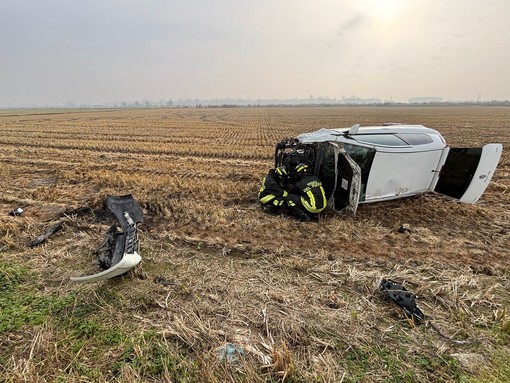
{"x":324,"y":197}
{"x":285,"y":194}
{"x":263,"y":186}
{"x":311,"y":205}
{"x":312,"y":199}
{"x":276,"y":201}
{"x":267,"y":198}
{"x":308,"y":207}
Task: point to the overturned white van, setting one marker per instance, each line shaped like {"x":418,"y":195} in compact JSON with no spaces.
{"x":378,"y":163}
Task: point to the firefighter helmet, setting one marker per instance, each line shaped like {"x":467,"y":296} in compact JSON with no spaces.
{"x":281,"y":171}
{"x":301,"y":168}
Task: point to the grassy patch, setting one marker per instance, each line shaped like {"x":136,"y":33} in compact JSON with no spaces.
{"x":20,"y":304}
{"x":498,"y":371}
{"x":151,"y":356}
{"x":397,"y":365}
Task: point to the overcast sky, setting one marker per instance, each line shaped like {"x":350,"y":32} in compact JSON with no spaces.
{"x":55,"y":51}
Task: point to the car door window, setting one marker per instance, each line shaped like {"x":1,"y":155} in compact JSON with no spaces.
{"x":380,"y":139}
{"x":364,"y":157}
{"x":415,"y":138}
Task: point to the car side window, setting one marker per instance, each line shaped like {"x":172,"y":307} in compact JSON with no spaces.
{"x":380,"y":139}
{"x":415,"y":138}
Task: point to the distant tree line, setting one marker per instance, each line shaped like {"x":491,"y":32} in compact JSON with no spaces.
{"x":234,"y":103}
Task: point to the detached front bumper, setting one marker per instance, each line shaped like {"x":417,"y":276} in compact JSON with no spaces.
{"x":120,"y":252}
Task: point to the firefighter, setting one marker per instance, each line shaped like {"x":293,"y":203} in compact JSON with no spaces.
{"x":308,"y":198}
{"x":272,"y":195}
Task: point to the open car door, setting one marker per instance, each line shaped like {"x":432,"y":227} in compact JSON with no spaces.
{"x":348,"y":183}
{"x":468,"y":171}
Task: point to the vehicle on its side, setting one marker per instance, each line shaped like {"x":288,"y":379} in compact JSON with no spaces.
{"x":380,"y":163}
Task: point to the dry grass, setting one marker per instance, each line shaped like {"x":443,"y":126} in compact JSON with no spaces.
{"x":301,"y":300}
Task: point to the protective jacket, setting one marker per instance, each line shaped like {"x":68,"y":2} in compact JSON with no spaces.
{"x":312,"y":194}
{"x":271,"y":192}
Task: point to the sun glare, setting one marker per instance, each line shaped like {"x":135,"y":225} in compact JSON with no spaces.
{"x":384,"y":11}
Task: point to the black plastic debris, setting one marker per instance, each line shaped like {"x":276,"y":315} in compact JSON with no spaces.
{"x":405,"y":299}
{"x":16,"y":212}
{"x":48,"y":233}
{"x":404,"y":229}
{"x":163,"y":281}
{"x":106,"y":249}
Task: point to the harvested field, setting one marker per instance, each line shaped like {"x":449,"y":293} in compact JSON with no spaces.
{"x":300,"y":299}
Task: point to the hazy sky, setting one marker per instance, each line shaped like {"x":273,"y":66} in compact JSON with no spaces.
{"x":55,"y":51}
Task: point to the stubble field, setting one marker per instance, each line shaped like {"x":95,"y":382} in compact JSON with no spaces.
{"x":300,"y":300}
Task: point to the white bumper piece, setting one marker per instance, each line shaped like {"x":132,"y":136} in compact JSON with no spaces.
{"x":127,"y":262}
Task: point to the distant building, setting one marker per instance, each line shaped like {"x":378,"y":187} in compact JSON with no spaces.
{"x":425,"y":100}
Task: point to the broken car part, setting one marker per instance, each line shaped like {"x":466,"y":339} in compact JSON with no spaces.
{"x":16,"y":212}
{"x":119,"y":251}
{"x":48,"y":233}
{"x":405,"y":299}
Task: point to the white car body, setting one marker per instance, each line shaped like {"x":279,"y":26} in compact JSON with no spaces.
{"x":379,"y":163}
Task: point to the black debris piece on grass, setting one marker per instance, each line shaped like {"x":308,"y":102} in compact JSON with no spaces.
{"x":16,"y":212}
{"x":48,"y":233}
{"x":162,"y":281}
{"x":404,"y":229}
{"x":402,"y":297}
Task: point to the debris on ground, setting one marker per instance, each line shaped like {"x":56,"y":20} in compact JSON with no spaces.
{"x":405,"y":299}
{"x":16,"y":212}
{"x":119,"y":250}
{"x":48,"y":233}
{"x":230,"y":353}
{"x":332,"y":304}
{"x":162,"y":281}
{"x":404,"y":228}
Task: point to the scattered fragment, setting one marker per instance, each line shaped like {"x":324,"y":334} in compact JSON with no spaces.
{"x":230,"y":353}
{"x":162,"y":281}
{"x":119,"y":251}
{"x":106,"y":248}
{"x":48,"y":233}
{"x":405,"y":299}
{"x":404,"y":228}
{"x":16,"y":212}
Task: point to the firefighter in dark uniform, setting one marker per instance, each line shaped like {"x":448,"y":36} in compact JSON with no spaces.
{"x":308,"y":198}
{"x":272,"y":195}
